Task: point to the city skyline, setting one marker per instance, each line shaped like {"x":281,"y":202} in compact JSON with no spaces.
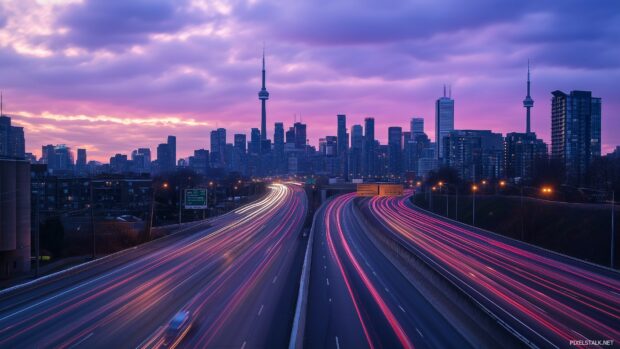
{"x":182,"y":72}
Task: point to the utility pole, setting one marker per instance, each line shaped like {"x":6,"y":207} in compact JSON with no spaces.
{"x":92,"y":218}
{"x":522,"y":217}
{"x":37,"y":224}
{"x":473,"y":208}
{"x":456,"y":202}
{"x":180,"y":207}
{"x":613,"y":230}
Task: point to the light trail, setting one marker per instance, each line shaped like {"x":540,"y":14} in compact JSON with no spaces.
{"x":553,"y":300}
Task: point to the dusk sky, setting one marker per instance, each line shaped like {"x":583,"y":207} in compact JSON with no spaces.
{"x":112,"y":76}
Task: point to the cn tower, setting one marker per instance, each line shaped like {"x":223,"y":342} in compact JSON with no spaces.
{"x":263,"y":95}
{"x":528,"y":102}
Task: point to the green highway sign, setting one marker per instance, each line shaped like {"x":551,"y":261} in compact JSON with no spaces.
{"x":195,"y":198}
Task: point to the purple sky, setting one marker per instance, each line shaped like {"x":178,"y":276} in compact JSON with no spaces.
{"x":113,"y":76}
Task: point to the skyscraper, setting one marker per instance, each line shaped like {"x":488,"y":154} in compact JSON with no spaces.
{"x":368,"y":150}
{"x":416,"y":127}
{"x":300,"y":135}
{"x":343,"y":145}
{"x":355,"y":153}
{"x":12,"y":143}
{"x":528,"y":102}
{"x":595,"y":128}
{"x":263,"y":95}
{"x":575,"y":132}
{"x":278,"y":148}
{"x":172,"y":147}
{"x":444,"y":121}
{"x":218,"y":148}
{"x":80,"y":162}
{"x":395,"y":150}
{"x":255,"y":141}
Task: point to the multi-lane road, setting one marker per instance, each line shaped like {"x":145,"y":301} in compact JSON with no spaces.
{"x":358,"y":298}
{"x":546,"y":299}
{"x":383,"y":274}
{"x":237,"y":277}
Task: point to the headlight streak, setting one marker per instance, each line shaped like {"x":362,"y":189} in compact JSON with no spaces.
{"x":569,"y":301}
{"x":334,"y":210}
{"x":243,"y":235}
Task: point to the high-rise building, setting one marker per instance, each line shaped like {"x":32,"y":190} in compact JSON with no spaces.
{"x":522,"y":152}
{"x":163,"y":158}
{"x":200,"y":161}
{"x":240,"y":142}
{"x":595,"y":128}
{"x":172,"y":147}
{"x":218,"y":148}
{"x":300,"y":135}
{"x":475,"y":154}
{"x":395,"y":150}
{"x":141,"y":160}
{"x":278,"y":148}
{"x":574,"y":137}
{"x":416,"y":127}
{"x":369,"y":152}
{"x":59,"y":159}
{"x":12,"y":142}
{"x":355,"y":153}
{"x":81,"y":162}
{"x":255,"y":141}
{"x":444,"y":121}
{"x":343,"y":145}
{"x":263,"y":95}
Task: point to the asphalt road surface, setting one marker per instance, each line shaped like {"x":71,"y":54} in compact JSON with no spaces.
{"x":547,"y":298}
{"x":358,"y":298}
{"x":237,"y":278}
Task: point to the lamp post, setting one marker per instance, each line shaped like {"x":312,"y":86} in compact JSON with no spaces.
{"x":92,"y":218}
{"x":474,"y":188}
{"x":163,"y":186}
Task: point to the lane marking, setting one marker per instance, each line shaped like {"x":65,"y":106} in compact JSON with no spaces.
{"x":330,"y":300}
{"x":401,"y":308}
{"x":421,"y":335}
{"x":82,"y":340}
{"x":261,"y":309}
{"x":337,"y":343}
{"x":243,"y":345}
{"x":274,"y":279}
{"x":327,"y":280}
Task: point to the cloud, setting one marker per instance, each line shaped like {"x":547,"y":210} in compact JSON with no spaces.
{"x":116,"y":24}
{"x":200,"y":60}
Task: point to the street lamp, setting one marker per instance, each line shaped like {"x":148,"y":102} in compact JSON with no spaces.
{"x":163,"y":186}
{"x":474,"y":188}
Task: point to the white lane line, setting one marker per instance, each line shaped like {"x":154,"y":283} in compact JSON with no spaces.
{"x":421,"y":335}
{"x":386,"y":290}
{"x":275,"y":279}
{"x":82,"y":340}
{"x":401,"y":308}
{"x":261,"y":309}
{"x":330,"y":300}
{"x":243,"y":345}
{"x":327,"y":280}
{"x":373,"y":273}
{"x":337,"y":343}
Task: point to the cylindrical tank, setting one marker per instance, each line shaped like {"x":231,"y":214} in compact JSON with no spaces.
{"x":8,"y":235}
{"x":22,"y":184}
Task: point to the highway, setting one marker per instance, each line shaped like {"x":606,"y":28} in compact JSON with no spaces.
{"x":358,"y":298}
{"x":546,"y":299}
{"x":237,"y":277}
